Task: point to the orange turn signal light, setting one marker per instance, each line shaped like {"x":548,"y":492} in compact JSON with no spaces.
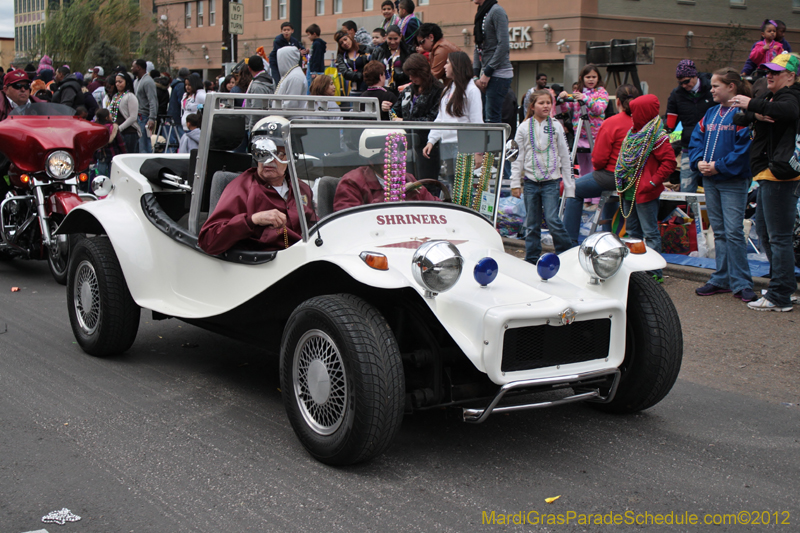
{"x":25,"y":178}
{"x":636,"y":246}
{"x":375,"y":260}
{"x":83,"y":178}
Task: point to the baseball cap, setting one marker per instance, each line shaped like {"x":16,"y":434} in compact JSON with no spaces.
{"x":784,"y":61}
{"x":14,"y":76}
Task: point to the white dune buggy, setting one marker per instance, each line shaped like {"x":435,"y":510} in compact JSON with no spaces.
{"x":381,"y":309}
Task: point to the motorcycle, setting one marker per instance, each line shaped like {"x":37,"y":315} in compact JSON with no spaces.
{"x":49,"y":153}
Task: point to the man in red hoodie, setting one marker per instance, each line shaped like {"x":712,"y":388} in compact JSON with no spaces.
{"x":645,"y":162}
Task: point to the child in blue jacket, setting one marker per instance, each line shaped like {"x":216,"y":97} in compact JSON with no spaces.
{"x":720,"y":150}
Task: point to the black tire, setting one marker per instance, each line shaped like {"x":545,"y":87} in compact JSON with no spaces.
{"x":58,"y":255}
{"x":653,"y":348}
{"x":357,"y":414}
{"x":108,"y":324}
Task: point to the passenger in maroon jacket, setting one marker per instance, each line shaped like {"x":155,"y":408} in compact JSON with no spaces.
{"x":365,"y":184}
{"x":258,"y":210}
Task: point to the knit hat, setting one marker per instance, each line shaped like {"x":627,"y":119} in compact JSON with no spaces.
{"x":784,"y":61}
{"x":686,"y":69}
{"x":14,"y":76}
{"x":45,"y":63}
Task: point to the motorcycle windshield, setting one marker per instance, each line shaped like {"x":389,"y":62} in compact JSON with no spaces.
{"x":43,"y":109}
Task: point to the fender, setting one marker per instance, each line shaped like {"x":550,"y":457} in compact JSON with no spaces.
{"x":62,"y":202}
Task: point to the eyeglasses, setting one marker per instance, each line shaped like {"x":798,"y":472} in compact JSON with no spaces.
{"x":21,"y":86}
{"x":687,"y":81}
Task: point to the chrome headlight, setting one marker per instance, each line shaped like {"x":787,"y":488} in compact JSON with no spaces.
{"x":437,"y":265}
{"x":601,"y":255}
{"x":59,"y":165}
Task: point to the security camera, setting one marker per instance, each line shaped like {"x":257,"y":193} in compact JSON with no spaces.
{"x":546,"y":27}
{"x":562,"y":42}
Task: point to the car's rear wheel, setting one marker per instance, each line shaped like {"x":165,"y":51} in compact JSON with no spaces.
{"x":341,"y":379}
{"x":102,"y":313}
{"x":653,"y":348}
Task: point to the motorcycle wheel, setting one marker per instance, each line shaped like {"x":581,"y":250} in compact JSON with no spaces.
{"x":102,"y":313}
{"x":58,"y":256}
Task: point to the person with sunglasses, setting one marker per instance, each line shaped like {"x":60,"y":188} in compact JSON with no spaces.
{"x":687,"y":104}
{"x":16,"y":92}
{"x":257,"y":211}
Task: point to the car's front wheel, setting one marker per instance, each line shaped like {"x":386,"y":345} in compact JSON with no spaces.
{"x":653,"y":348}
{"x":342,"y":379}
{"x":102,"y":313}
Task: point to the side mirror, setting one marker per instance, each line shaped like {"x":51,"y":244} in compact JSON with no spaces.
{"x":512,"y":151}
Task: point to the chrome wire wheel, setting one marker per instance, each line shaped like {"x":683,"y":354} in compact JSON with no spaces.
{"x":86,"y":297}
{"x":320,"y":382}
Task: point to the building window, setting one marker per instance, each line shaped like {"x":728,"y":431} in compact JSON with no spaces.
{"x":796,"y":6}
{"x":738,"y":3}
{"x":188,"y":8}
{"x":212,"y":12}
{"x":320,"y":9}
{"x":424,"y":2}
{"x":267,"y":9}
{"x":367,"y":5}
{"x":337,"y":6}
{"x":281,"y":9}
{"x":200,"y":14}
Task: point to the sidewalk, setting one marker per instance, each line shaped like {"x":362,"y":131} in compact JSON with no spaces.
{"x":516,"y":247}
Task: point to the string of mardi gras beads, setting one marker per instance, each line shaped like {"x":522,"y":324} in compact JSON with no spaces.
{"x":465,"y":167}
{"x":483,"y":183}
{"x":394,"y":172}
{"x":633,"y":155}
{"x":392,"y":114}
{"x":708,"y":158}
{"x":550,"y":146}
{"x":285,"y":238}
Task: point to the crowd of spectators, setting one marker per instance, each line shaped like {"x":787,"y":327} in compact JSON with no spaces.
{"x":731,"y":131}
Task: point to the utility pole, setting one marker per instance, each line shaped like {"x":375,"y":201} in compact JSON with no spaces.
{"x":227,"y":53}
{"x":296,"y":18}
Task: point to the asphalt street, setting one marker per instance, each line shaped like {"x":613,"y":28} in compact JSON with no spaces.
{"x":187,"y":433}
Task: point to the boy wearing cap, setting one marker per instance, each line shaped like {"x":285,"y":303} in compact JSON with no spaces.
{"x":776,"y":203}
{"x":687,"y":104}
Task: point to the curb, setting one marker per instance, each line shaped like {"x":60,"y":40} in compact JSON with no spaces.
{"x":700,"y":275}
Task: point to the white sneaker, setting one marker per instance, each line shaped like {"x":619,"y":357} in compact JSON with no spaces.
{"x":795,"y":299}
{"x":765,"y":305}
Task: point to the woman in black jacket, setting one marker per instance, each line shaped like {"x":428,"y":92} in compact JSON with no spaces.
{"x":393,"y":54}
{"x":774,"y":118}
{"x":419,"y":102}
{"x":350,"y":61}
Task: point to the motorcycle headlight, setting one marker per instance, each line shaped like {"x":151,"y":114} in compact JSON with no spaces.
{"x":436,"y":266}
{"x":601,"y":255}
{"x":59,"y":165}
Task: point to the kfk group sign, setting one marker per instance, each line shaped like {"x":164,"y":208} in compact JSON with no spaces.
{"x":519,"y":37}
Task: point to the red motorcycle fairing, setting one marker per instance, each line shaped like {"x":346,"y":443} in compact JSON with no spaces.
{"x":28,"y":140}
{"x":62,"y":202}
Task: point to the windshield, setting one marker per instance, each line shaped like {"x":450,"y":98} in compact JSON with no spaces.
{"x":43,"y":109}
{"x":347,"y":165}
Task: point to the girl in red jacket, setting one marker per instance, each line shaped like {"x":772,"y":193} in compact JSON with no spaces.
{"x":645,"y":161}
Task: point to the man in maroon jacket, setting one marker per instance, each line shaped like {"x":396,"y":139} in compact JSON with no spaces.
{"x":258,"y":210}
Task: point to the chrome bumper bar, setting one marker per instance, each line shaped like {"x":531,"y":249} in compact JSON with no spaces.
{"x":476,"y":416}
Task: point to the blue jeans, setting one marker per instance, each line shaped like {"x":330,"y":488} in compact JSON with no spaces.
{"x":145,"y":146}
{"x":689,"y":177}
{"x":775,"y":212}
{"x":493,"y":98}
{"x":642,"y":223}
{"x":725,"y":202}
{"x":585,"y":187}
{"x":538,"y":196}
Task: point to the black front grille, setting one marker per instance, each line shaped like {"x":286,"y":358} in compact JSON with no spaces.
{"x":543,"y":346}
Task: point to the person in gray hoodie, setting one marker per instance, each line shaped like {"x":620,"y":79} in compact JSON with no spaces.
{"x":262,"y":84}
{"x":490,"y":61}
{"x":293,"y":81}
{"x":190,"y":139}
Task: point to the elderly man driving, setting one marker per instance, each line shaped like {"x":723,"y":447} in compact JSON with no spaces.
{"x":258,"y":210}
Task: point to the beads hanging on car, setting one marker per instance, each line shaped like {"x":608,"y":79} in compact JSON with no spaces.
{"x":394,"y":167}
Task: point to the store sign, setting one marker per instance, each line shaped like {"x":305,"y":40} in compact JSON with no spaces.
{"x":236,"y":18}
{"x":519,"y":37}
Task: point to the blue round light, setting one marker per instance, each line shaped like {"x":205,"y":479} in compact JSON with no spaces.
{"x":485,"y":271}
{"x":548,"y":266}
